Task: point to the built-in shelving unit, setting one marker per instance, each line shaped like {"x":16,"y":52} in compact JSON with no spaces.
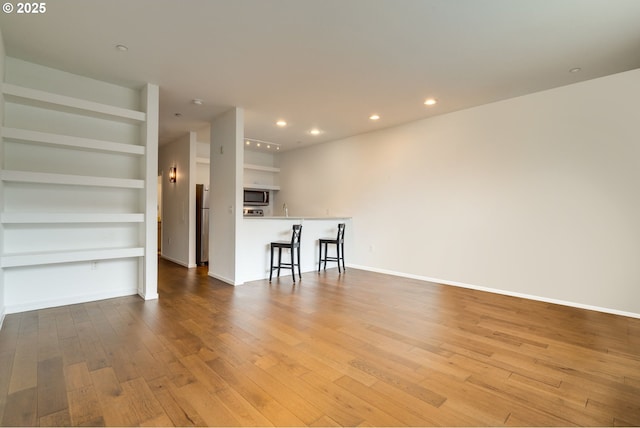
{"x":75,"y":181}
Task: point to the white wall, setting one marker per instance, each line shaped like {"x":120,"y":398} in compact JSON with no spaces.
{"x":178,"y":201}
{"x":534,"y":196}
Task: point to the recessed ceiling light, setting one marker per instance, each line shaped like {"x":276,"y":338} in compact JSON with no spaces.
{"x":247,"y":142}
{"x":314,"y":131}
{"x":197,"y":101}
{"x":374,"y":117}
{"x":122,"y":48}
{"x":257,"y":144}
{"x":430,"y":102}
{"x":281,"y":123}
{"x":575,"y":70}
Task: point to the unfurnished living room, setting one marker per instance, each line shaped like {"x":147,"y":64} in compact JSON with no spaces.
{"x":320,"y":213}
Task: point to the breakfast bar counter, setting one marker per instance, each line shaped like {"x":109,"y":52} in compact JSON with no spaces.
{"x":259,"y":232}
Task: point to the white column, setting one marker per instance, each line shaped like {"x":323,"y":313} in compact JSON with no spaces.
{"x":225,"y":192}
{"x":148,"y":284}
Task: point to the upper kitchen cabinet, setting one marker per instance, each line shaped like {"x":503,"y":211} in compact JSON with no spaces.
{"x":260,"y":171}
{"x":78,"y":188}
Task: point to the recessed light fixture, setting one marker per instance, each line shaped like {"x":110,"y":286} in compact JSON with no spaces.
{"x":314,"y":131}
{"x":374,"y":117}
{"x":281,"y":123}
{"x":197,"y":101}
{"x":247,"y":142}
{"x":122,"y":48}
{"x":575,"y":70}
{"x":430,"y":102}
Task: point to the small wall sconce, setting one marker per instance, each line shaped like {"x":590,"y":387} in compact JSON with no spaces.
{"x":172,"y":174}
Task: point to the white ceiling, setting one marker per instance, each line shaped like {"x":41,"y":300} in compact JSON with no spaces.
{"x":328,"y":63}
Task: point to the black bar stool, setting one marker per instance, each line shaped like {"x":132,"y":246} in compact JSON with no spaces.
{"x":339,"y":242}
{"x":295,"y":243}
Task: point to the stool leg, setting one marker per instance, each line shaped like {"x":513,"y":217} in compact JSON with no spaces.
{"x":338,"y":257}
{"x":299,"y":268}
{"x":271,"y":264}
{"x":279,"y":259}
{"x":325,"y":256}
{"x":344,"y":267}
{"x":319,"y":255}
{"x":293,"y":264}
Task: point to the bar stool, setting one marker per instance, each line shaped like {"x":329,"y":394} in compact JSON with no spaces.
{"x":292,"y":245}
{"x":339,"y":243}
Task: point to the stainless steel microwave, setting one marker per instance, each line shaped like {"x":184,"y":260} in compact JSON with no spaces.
{"x":256,"y":197}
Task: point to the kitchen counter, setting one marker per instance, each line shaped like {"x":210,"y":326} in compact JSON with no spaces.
{"x":259,"y":232}
{"x":294,"y":218}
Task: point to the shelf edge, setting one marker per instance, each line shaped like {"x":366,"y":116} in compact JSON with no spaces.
{"x":70,"y":141}
{"x":86,"y":106}
{"x":56,"y":257}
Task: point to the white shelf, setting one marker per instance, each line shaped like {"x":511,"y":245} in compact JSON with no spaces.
{"x":74,"y":180}
{"x":25,"y":135}
{"x":261,"y":168}
{"x":53,"y":257}
{"x":50,"y":218}
{"x":262,"y":186}
{"x":28,"y":96}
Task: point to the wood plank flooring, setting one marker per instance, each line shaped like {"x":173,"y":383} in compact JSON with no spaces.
{"x":357,"y":349}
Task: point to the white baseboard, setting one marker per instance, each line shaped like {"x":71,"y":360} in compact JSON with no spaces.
{"x":176,"y":261}
{"x":498,"y":291}
{"x":224,"y":279}
{"x":70,"y":300}
{"x":153,"y":296}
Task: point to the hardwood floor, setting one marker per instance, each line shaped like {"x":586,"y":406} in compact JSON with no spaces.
{"x":352,"y":349}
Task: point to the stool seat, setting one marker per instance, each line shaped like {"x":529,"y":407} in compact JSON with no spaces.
{"x":338,"y":241}
{"x":291,"y":245}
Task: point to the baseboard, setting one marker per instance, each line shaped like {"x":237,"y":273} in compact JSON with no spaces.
{"x":176,"y":261}
{"x":224,"y":279}
{"x":153,"y":296}
{"x":499,"y":291}
{"x":72,"y":300}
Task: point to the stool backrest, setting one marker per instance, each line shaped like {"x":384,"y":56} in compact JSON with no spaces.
{"x":295,"y":236}
{"x":340,"y":237}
